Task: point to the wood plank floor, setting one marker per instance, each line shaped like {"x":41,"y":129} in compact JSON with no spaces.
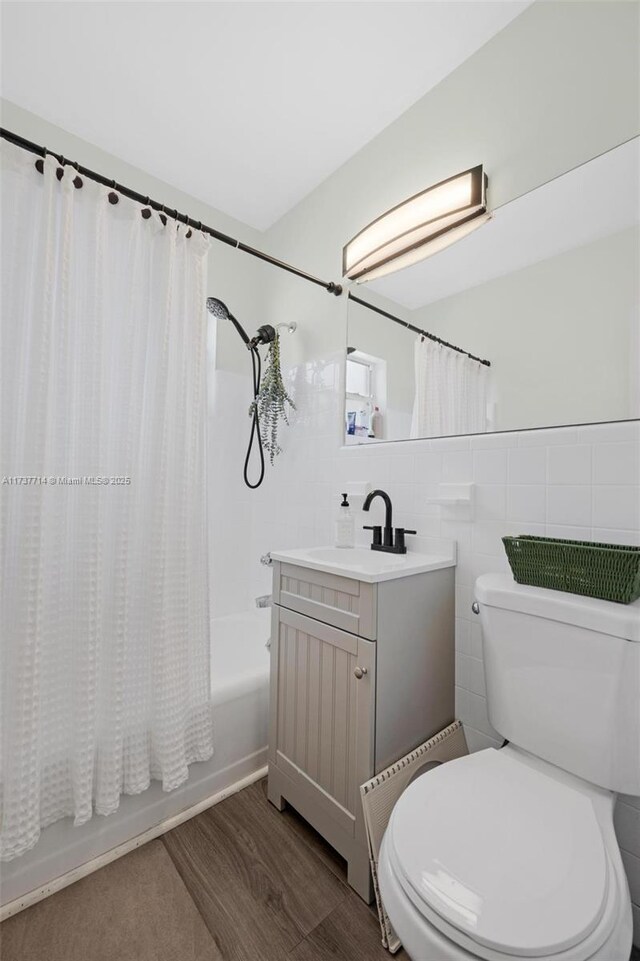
{"x":136,"y":908}
{"x":239,"y":882}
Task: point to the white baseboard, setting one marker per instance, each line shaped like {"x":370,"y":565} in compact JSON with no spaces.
{"x":57,"y":884}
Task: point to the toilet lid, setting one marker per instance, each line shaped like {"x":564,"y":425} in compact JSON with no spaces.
{"x":503,"y":852}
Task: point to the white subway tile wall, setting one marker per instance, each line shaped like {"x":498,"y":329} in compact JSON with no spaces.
{"x":576,"y":482}
{"x":229,"y":501}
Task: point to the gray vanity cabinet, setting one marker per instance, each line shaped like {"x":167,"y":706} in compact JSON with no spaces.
{"x":360,"y":674}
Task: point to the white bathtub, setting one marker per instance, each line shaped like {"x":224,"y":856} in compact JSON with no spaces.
{"x":240,"y":698}
{"x":239,"y":655}
{"x":239,"y":693}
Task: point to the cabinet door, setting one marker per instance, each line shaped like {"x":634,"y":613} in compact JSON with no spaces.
{"x":322,"y":711}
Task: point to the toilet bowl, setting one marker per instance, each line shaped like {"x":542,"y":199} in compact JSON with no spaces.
{"x":510,"y":854}
{"x":500,"y":856}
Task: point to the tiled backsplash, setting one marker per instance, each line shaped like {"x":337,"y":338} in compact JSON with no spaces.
{"x":576,"y":482}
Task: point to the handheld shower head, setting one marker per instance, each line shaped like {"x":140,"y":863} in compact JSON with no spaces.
{"x":220,"y":310}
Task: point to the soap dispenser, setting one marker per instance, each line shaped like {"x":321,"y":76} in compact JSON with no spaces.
{"x":345,"y":526}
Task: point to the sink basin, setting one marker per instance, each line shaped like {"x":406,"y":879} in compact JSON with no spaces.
{"x":356,"y":557}
{"x":363,"y":564}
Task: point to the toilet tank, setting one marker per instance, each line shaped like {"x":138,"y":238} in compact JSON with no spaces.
{"x":563,"y":678}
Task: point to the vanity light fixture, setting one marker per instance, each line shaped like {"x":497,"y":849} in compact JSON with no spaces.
{"x":418,"y":227}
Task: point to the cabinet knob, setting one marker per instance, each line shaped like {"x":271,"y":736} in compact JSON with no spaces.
{"x":360,"y":672}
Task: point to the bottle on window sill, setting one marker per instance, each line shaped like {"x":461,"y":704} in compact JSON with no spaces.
{"x":376,"y":423}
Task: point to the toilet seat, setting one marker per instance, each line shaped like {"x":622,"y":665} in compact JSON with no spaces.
{"x":504,"y":859}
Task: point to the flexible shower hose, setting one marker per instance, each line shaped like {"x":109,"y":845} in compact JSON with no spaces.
{"x":256,"y":365}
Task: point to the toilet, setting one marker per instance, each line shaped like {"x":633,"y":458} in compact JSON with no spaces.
{"x":511,"y":853}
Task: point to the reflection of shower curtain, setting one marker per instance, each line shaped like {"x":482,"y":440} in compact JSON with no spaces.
{"x":450,"y":392}
{"x":105,"y":638}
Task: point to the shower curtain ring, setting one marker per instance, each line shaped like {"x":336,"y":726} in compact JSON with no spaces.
{"x":77,"y":180}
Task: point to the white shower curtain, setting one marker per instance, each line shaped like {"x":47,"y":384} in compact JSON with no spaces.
{"x":450,"y":392}
{"x":105,"y":631}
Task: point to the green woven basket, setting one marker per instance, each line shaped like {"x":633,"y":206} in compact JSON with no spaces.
{"x":609,"y":571}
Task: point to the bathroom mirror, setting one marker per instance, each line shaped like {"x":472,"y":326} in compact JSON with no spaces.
{"x":546,"y":294}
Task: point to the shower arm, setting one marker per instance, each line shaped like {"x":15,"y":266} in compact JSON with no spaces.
{"x":291,"y":327}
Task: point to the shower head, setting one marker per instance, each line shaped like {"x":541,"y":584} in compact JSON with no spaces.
{"x":220,"y":310}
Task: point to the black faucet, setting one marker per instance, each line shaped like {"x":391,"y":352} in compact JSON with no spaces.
{"x":386,"y":541}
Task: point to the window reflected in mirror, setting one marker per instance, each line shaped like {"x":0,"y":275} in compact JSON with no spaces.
{"x":366,"y":396}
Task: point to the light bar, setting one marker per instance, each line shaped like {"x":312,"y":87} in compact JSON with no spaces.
{"x":418,"y":227}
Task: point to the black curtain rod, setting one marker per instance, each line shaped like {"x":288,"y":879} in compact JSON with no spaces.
{"x":417,"y":330}
{"x":14,"y":138}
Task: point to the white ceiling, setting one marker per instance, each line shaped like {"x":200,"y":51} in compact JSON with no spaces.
{"x":247,"y":106}
{"x":592,"y":201}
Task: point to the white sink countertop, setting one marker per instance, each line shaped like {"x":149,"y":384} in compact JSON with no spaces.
{"x":363,"y":564}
